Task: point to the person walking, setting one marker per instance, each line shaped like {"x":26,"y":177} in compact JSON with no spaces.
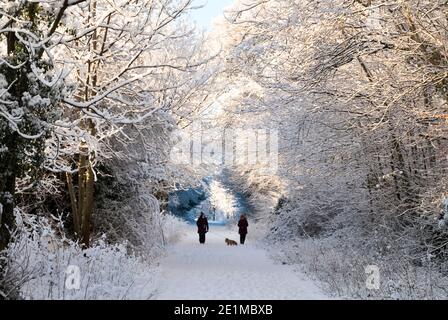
{"x":202,"y":224}
{"x":242,"y":228}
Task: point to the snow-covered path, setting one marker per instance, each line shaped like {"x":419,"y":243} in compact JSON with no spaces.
{"x":215,"y":271}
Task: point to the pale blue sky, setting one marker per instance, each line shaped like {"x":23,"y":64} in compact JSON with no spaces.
{"x":211,"y":10}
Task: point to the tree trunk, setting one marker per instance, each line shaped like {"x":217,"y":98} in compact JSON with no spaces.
{"x":74,"y":205}
{"x":82,"y":202}
{"x":87,"y":206}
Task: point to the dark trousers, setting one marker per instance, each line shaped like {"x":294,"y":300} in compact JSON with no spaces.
{"x":242,"y":238}
{"x":202,"y":238}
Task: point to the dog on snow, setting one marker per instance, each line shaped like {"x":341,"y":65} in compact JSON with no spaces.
{"x":231,"y":242}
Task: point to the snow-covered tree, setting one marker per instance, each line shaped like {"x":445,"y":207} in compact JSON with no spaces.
{"x":31,"y":89}
{"x":357,"y":90}
{"x":91,"y":70}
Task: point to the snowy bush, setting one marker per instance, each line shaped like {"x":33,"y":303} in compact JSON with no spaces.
{"x":173,"y":228}
{"x":257,"y":230}
{"x":336,"y":247}
{"x":341,"y":268}
{"x":132,"y":217}
{"x":40,"y":264}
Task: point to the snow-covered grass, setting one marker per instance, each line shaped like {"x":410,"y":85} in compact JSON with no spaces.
{"x":343,"y":271}
{"x":339,"y":251}
{"x":40,"y":264}
{"x":43,"y":264}
{"x":105,"y":271}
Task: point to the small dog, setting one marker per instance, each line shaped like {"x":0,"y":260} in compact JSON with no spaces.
{"x":231,"y":242}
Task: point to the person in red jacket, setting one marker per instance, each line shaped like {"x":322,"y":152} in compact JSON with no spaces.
{"x":202,"y":224}
{"x":242,"y":226}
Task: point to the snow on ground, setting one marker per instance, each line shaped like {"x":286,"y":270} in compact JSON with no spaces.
{"x":215,"y":271}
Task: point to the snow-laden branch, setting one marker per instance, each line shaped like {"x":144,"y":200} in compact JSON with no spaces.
{"x":99,"y":97}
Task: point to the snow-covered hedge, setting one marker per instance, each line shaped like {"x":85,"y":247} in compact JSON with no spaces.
{"x":173,"y":229}
{"x":337,"y":250}
{"x":41,"y":263}
{"x":47,"y":270}
{"x":343,"y":270}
